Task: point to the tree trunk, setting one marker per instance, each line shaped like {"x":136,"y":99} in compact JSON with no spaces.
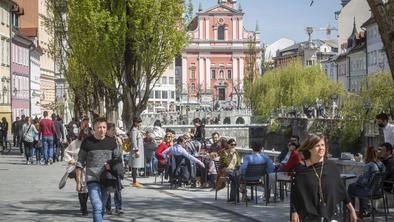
{"x":383,"y":19}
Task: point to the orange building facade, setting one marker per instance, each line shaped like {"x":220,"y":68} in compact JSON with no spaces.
{"x":213,"y":64}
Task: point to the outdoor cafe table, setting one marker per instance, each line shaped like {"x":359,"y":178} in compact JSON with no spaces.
{"x":345,"y":177}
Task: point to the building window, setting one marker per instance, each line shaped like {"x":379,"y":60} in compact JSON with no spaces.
{"x":221,"y":32}
{"x":193,"y":74}
{"x":172,"y":95}
{"x":164,"y":80}
{"x":164,"y":95}
{"x":221,"y":74}
{"x":2,"y":51}
{"x":157,"y":94}
{"x":171,"y":80}
{"x":213,"y":74}
{"x":229,"y":74}
{"x":193,"y":88}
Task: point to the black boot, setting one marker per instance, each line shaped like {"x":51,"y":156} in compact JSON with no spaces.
{"x":83,"y":199}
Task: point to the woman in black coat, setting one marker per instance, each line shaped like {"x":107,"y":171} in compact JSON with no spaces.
{"x":317,"y":187}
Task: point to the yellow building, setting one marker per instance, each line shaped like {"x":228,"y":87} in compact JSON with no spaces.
{"x":5,"y":59}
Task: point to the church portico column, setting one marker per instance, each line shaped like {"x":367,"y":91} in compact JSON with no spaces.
{"x":184,"y":74}
{"x":208,"y":74}
{"x":235,"y":70}
{"x":234,"y":27}
{"x":241,"y":71}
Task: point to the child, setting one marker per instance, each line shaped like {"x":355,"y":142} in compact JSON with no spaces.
{"x":212,"y":173}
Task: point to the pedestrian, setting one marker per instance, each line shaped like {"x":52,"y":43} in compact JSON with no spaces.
{"x":15,"y":132}
{"x":137,"y":157}
{"x":47,"y":131}
{"x":19,"y":129}
{"x":382,"y":120}
{"x":71,"y":157}
{"x":317,"y":187}
{"x":114,"y":186}
{"x":4,"y":130}
{"x":29,"y":132}
{"x":58,"y":137}
{"x":158,"y":132}
{"x":97,"y":153}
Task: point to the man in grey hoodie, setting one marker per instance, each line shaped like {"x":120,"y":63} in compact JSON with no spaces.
{"x":97,"y":154}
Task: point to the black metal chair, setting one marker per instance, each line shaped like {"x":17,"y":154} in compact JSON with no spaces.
{"x":256,"y":170}
{"x":376,"y":193}
{"x":226,"y":178}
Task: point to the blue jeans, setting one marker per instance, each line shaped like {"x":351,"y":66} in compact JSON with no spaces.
{"x":117,"y":200}
{"x":47,"y":143}
{"x":95,"y":191}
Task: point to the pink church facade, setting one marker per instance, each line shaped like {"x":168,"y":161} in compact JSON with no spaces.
{"x":213,"y":64}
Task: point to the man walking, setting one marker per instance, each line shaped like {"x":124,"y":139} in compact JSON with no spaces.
{"x":19,"y":130}
{"x":382,"y":120}
{"x":47,"y":131}
{"x":15,"y":132}
{"x":98,"y":153}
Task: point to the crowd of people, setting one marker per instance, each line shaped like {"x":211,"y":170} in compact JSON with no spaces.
{"x":40,"y":140}
{"x":99,"y":156}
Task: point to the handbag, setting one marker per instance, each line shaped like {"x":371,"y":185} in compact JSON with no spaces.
{"x":27,"y":137}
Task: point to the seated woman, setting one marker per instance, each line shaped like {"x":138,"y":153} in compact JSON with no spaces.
{"x":284,"y":169}
{"x":255,"y":158}
{"x":167,"y":142}
{"x":229,"y":162}
{"x":362,"y":186}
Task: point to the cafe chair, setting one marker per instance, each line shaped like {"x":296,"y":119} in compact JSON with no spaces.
{"x":376,"y":192}
{"x":256,"y":170}
{"x":225,"y":178}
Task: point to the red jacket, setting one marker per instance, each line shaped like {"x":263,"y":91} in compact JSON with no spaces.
{"x":163,"y":146}
{"x":294,"y":159}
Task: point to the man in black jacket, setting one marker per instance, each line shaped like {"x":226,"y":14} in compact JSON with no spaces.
{"x":388,"y":160}
{"x":14,"y":131}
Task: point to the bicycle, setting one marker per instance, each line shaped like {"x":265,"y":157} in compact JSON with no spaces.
{"x":5,"y":147}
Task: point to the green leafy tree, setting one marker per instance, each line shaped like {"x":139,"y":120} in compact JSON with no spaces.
{"x":356,"y":110}
{"x":124,"y":46}
{"x":291,"y":86}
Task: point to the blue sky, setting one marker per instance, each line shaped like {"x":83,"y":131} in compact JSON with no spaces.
{"x":285,"y":18}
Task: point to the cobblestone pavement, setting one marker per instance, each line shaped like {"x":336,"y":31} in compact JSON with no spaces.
{"x":30,"y":193}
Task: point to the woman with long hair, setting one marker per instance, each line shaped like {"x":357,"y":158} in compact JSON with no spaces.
{"x":317,"y":187}
{"x":362,"y":186}
{"x":71,"y":157}
{"x":29,"y":132}
{"x":4,"y":130}
{"x":137,"y":154}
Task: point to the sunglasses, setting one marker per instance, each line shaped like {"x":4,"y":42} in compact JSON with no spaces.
{"x":233,"y":144}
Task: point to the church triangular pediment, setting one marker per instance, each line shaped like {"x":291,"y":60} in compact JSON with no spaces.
{"x":222,"y":9}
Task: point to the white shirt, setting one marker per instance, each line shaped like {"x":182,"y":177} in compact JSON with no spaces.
{"x":388,"y":132}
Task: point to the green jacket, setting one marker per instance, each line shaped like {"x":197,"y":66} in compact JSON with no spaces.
{"x":225,"y":159}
